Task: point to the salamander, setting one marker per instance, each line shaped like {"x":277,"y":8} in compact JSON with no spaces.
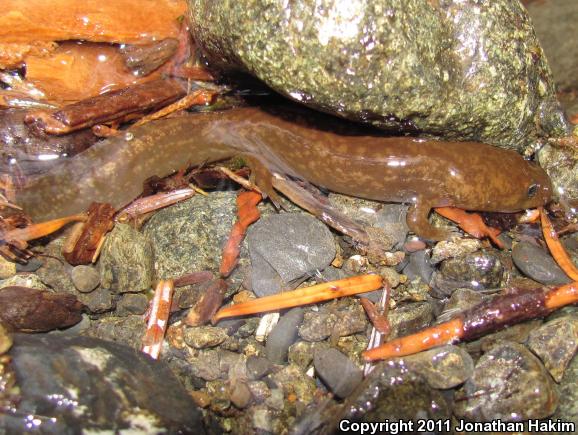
{"x":425,"y":173}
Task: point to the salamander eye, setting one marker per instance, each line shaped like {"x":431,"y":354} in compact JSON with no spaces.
{"x":532,"y":190}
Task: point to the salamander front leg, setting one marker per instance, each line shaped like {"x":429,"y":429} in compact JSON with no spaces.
{"x":417,"y":221}
{"x":263,"y":179}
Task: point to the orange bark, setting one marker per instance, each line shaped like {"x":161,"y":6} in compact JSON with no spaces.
{"x":122,"y":21}
{"x":75,"y":71}
{"x":13,"y":53}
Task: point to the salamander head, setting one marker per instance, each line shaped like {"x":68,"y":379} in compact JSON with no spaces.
{"x":537,"y":189}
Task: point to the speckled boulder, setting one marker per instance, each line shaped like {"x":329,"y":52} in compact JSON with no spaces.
{"x":469,"y":70}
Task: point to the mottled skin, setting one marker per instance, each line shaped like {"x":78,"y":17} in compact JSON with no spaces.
{"x":337,"y":156}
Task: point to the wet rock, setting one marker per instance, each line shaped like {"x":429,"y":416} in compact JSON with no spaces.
{"x":189,"y":236}
{"x":258,"y":367}
{"x":201,"y":337}
{"x":32,"y":310}
{"x":568,"y":389}
{"x":443,"y":367}
{"x":538,"y":264}
{"x":124,"y":330}
{"x":132,"y":303}
{"x":454,"y":248}
{"x":477,"y":271}
{"x":85,"y":278}
{"x":337,"y":371}
{"x":285,"y":248}
{"x":126,"y":261}
{"x":555,"y":343}
{"x":283,"y":335}
{"x":318,"y":326}
{"x":509,"y":383}
{"x":410,"y":318}
{"x":393,"y":393}
{"x":310,"y":52}
{"x":419,"y":266}
{"x":84,"y":384}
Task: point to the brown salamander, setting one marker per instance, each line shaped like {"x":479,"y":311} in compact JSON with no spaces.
{"x":424,"y":173}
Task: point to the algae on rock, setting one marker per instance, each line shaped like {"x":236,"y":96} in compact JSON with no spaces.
{"x":465,"y":70}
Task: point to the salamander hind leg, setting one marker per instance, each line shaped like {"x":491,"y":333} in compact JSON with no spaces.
{"x":418,"y":222}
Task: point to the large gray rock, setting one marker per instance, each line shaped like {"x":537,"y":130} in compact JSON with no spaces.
{"x":467,"y":70}
{"x":73,"y":385}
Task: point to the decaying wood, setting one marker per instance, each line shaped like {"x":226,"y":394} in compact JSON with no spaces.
{"x":89,"y":240}
{"x":104,"y":108}
{"x":32,"y":310}
{"x":208,"y":304}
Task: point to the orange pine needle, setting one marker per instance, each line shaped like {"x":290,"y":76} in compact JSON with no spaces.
{"x":561,"y":296}
{"x":438,"y":335}
{"x":309,"y":295}
{"x":471,"y":223}
{"x":247,"y":214}
{"x":556,"y":248}
{"x":35,"y":231}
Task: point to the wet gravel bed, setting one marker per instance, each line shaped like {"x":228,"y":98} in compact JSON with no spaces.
{"x":300,"y":371}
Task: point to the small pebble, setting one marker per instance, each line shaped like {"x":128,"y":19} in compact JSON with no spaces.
{"x":454,"y":248}
{"x":410,"y":318}
{"x":275,"y":399}
{"x":538,"y":264}
{"x":240,"y":394}
{"x":7,"y":268}
{"x":201,"y":337}
{"x":286,"y":247}
{"x":259,"y":390}
{"x":317,"y":326}
{"x":85,"y":278}
{"x":478,"y":271}
{"x":257,"y":367}
{"x":31,"y":265}
{"x":460,"y":300}
{"x":337,"y":371}
{"x":132,"y":303}
{"x":392,"y":218}
{"x":283,"y":335}
{"x":263,"y":420}
{"x":444,"y":367}
{"x":419,"y":266}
